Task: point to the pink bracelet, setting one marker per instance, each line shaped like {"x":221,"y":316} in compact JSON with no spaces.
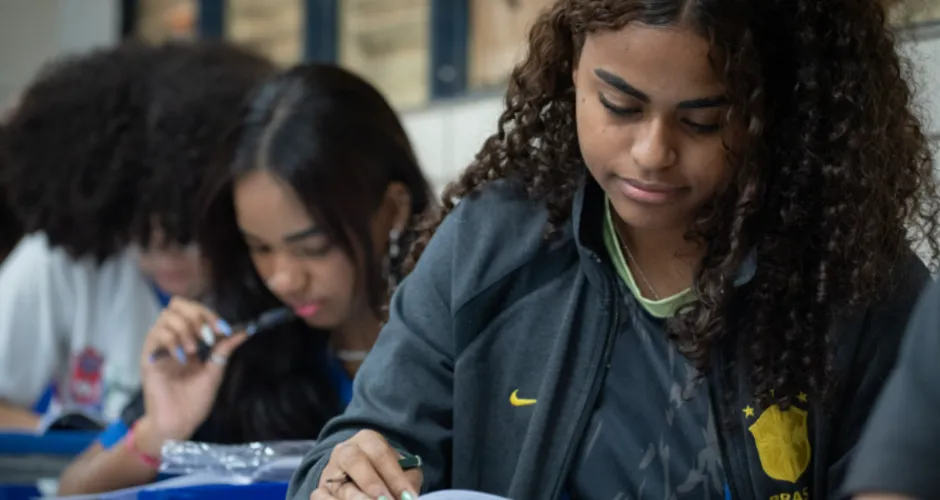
{"x":131,"y":444}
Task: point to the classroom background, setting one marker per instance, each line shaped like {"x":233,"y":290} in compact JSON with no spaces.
{"x":442,"y":63}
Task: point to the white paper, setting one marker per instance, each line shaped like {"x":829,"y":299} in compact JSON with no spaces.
{"x":460,"y":495}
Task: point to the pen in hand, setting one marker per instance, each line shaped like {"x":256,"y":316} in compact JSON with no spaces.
{"x":406,"y":462}
{"x":266,"y":320}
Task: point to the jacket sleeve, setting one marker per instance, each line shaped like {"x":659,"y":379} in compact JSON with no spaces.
{"x":404,"y":389}
{"x":898,"y":453}
{"x":875,"y":357}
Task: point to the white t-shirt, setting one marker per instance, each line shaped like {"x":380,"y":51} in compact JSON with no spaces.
{"x":72,"y":323}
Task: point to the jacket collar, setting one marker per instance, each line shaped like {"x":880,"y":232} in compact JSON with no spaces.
{"x":587,"y":218}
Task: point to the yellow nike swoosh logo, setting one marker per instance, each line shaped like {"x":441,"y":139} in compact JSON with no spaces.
{"x":515,"y":400}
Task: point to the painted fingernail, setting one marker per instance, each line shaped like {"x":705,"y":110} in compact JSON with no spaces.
{"x":152,"y":359}
{"x":383,"y":497}
{"x":223,"y":327}
{"x":181,"y":354}
{"x":208,"y":336}
{"x":407,"y":496}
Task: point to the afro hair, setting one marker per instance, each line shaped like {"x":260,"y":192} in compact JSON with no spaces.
{"x":196,"y":101}
{"x":96,"y":137}
{"x":10,"y":228}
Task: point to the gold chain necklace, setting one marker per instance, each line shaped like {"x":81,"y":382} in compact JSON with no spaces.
{"x":639,"y":270}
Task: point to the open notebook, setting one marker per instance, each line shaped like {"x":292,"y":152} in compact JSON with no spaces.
{"x":460,"y":495}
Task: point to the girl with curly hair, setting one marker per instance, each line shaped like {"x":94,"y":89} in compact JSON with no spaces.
{"x":10,"y":228}
{"x":680,"y":269}
{"x":313,"y":212}
{"x":108,"y":239}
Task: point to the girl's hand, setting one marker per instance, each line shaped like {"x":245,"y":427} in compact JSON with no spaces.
{"x":179,"y":389}
{"x":365,"y":466}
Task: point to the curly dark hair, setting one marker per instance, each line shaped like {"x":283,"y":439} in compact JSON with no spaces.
{"x":827,"y":106}
{"x":11,"y":230}
{"x":73,"y":145}
{"x":196,"y":98}
{"x":104,"y":143}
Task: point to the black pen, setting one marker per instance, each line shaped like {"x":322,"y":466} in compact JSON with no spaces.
{"x":266,"y":320}
{"x":406,"y":462}
{"x":409,"y":461}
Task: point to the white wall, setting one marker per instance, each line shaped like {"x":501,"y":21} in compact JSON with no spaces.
{"x":34,"y":31}
{"x":447,"y":136}
{"x":923,"y":52}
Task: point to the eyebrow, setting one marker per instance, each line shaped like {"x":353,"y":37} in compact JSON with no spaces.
{"x":622,"y":85}
{"x":292,"y":237}
{"x":300,"y":235}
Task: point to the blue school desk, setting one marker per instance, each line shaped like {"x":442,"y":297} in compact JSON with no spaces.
{"x":26,"y":458}
{"x":257,"y":491}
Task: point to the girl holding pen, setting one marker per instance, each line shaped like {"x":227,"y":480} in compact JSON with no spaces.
{"x":311,"y":208}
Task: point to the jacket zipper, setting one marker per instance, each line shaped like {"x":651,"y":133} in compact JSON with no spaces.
{"x":714,"y":383}
{"x":584,"y":418}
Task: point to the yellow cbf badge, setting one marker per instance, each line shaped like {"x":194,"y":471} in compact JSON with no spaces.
{"x":782,"y":441}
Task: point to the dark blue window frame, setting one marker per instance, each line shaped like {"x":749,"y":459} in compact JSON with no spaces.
{"x":321,"y":30}
{"x":211,"y":21}
{"x":128,"y":18}
{"x":450,"y":48}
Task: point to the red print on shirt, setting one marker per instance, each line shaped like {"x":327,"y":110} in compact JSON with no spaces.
{"x":86,"y":385}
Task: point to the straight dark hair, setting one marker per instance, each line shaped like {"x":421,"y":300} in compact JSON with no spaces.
{"x":337,"y":142}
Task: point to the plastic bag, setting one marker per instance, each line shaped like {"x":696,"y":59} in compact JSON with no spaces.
{"x":271,"y":461}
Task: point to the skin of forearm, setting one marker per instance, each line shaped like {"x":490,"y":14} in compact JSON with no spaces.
{"x":99,"y":470}
{"x":13,"y":417}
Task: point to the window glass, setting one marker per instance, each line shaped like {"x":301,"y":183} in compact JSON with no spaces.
{"x":273,"y":28}
{"x":162,"y":20}
{"x":387,"y":42}
{"x":913,"y":11}
{"x":499,"y":31}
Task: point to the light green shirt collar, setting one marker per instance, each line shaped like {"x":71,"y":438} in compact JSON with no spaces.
{"x":664,"y":308}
